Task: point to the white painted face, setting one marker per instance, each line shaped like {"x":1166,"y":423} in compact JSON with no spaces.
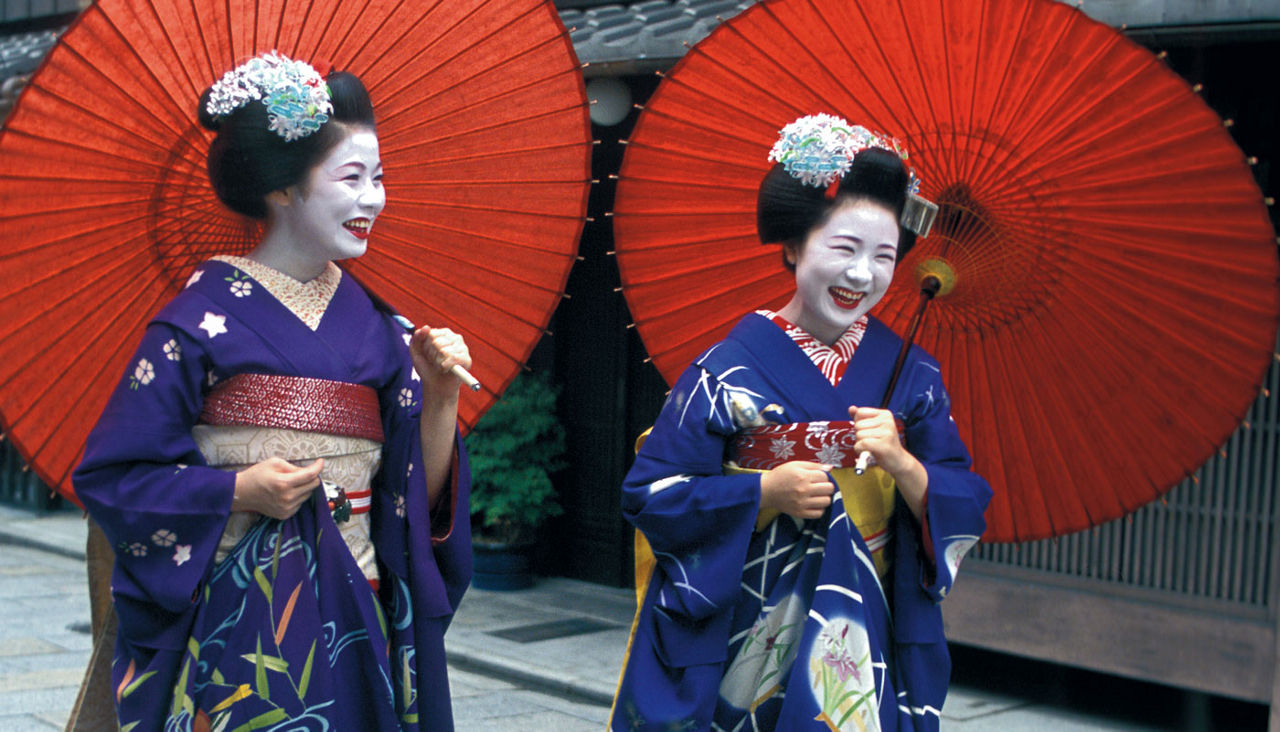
{"x":844,"y":269}
{"x":330,"y":215}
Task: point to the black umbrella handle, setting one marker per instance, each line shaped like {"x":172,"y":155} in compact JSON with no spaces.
{"x":929,"y":287}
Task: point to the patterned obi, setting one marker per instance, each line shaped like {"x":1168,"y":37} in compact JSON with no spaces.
{"x":251,"y":417}
{"x":868,"y":498}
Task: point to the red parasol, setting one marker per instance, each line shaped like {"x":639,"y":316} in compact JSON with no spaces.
{"x":1115,"y":303}
{"x":106,"y":207}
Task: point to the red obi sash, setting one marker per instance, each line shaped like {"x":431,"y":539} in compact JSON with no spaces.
{"x":295,"y":403}
{"x":768,"y":446}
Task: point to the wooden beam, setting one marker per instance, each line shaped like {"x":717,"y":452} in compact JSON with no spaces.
{"x":1138,"y":638}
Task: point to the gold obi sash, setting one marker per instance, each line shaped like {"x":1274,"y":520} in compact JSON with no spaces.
{"x":868,"y":498}
{"x":251,"y":417}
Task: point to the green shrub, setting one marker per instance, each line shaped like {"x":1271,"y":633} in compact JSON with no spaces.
{"x":514,"y":449}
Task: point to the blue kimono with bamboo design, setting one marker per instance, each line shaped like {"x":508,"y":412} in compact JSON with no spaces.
{"x":285,"y":630}
{"x":786,"y":625}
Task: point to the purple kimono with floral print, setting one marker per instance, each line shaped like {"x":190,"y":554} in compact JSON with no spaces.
{"x":285,"y":631}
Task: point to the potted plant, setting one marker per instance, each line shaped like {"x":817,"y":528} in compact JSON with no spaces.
{"x":514,"y":449}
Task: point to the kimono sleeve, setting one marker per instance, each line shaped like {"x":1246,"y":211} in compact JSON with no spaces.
{"x":431,"y":545}
{"x":957,"y":497}
{"x":697,"y":521}
{"x":145,"y":482}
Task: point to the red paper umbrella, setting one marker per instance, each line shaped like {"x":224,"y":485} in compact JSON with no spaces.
{"x":1115,"y":303}
{"x":106,"y":207}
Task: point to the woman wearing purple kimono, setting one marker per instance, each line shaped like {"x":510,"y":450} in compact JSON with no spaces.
{"x":781,"y":589}
{"x":279,"y":470}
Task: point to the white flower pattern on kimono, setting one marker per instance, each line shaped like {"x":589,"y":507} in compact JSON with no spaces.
{"x":182,"y":554}
{"x":400,"y":509}
{"x":164,"y":537}
{"x":144,"y":373}
{"x":172,"y":350}
{"x":213,"y":324}
{"x":138,"y":549}
{"x":406,"y":398}
{"x":241,"y":288}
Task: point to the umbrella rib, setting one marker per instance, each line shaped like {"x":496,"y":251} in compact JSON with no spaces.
{"x":693,"y":184}
{"x":873,"y":89}
{"x":490,"y":101}
{"x":203,"y":46}
{"x":1060,"y":121}
{"x":888,"y":64}
{"x":71,"y":325}
{"x":831,"y":106}
{"x":481,"y":184}
{"x":88,"y":151}
{"x":429,"y":226}
{"x":698,"y":154}
{"x":73,"y":236}
{"x":680,"y":243}
{"x":1017,"y":115}
{"x":692,"y":270}
{"x":494,"y":208}
{"x":513,"y":58}
{"x":497,"y":155}
{"x":484,"y":129}
{"x":438,"y":35}
{"x":737,"y":286}
{"x":144,"y":111}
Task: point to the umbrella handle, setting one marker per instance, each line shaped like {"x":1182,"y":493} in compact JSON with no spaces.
{"x":929,"y":287}
{"x":465,"y":377}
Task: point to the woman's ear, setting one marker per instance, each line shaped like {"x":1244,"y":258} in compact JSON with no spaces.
{"x":789,"y":253}
{"x":278,"y":198}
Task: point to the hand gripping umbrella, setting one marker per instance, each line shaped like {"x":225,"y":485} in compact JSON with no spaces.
{"x":106,"y":207}
{"x":1109,"y":301}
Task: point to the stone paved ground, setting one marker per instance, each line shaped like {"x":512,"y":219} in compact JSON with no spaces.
{"x":44,"y":637}
{"x":45,"y":644}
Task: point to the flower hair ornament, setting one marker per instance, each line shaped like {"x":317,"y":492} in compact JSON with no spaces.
{"x":296,"y":96}
{"x":818,"y":149}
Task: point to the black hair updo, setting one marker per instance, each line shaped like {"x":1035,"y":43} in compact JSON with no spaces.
{"x":787,"y":209}
{"x":247,"y":160}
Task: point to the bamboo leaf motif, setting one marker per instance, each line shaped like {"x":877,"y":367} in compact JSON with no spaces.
{"x":182,"y":685}
{"x":128,"y":676}
{"x":266,"y":719}
{"x":404,"y":676}
{"x":306,"y":673}
{"x":273,"y":663}
{"x":240,"y":693}
{"x":260,"y":672}
{"x":193,"y":648}
{"x":129,"y":727}
{"x":130,"y":688}
{"x":218,"y":678}
{"x":275,"y":558}
{"x":287,"y":614}
{"x":262,"y":582}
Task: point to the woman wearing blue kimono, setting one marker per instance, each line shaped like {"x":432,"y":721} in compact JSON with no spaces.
{"x":780,"y":589}
{"x":278,"y":471}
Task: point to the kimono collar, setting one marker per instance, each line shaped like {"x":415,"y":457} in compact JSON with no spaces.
{"x":307,"y":300}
